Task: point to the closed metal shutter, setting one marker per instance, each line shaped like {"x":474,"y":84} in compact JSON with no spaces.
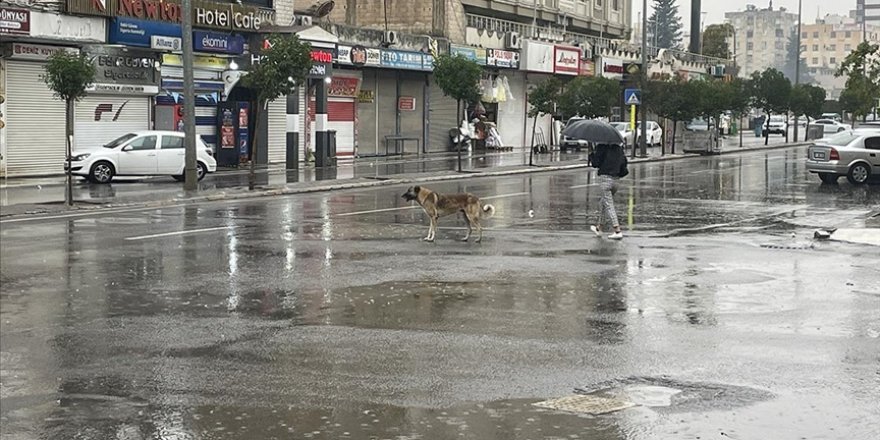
{"x":101,"y":118}
{"x":277,"y":130}
{"x":441,"y":119}
{"x":340,"y":117}
{"x":35,"y":123}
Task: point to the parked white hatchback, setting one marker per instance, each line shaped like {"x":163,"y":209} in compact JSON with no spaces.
{"x":143,"y":153}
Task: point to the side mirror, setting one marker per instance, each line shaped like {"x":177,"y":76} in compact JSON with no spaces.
{"x":127,"y":148}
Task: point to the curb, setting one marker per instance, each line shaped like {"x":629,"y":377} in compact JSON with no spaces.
{"x":282,"y":191}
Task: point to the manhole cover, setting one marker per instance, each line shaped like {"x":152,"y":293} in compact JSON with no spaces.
{"x":585,"y":404}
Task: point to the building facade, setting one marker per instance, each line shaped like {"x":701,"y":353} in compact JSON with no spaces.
{"x":868,"y":11}
{"x":826,"y":44}
{"x":762,"y":36}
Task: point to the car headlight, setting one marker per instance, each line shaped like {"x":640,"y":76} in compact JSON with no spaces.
{"x":80,"y":157}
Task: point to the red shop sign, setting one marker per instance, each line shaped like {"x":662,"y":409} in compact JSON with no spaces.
{"x":343,"y":87}
{"x":15,"y":21}
{"x":406,"y":103}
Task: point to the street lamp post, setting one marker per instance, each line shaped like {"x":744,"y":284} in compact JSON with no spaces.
{"x":190,"y":182}
{"x":797,"y":65}
{"x":643,"y":146}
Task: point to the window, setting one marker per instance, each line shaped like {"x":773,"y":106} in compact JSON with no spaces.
{"x":143,"y":143}
{"x":833,"y":60}
{"x":615,"y":5}
{"x":780,"y":45}
{"x":815,"y":60}
{"x":779,"y":33}
{"x":833,"y":34}
{"x":872,"y":143}
{"x":847,"y":47}
{"x":169,"y":142}
{"x":750,"y":34}
{"x":848,"y":34}
{"x":833,"y":48}
{"x":815,"y":34}
{"x":750,"y":46}
{"x":804,"y":35}
{"x":815,"y":48}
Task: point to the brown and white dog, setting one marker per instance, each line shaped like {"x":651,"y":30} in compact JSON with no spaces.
{"x":438,"y":205}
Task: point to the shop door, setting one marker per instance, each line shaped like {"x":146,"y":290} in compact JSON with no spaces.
{"x":441,"y":119}
{"x":102,"y":118}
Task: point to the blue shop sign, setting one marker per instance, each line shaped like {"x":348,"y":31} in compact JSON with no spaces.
{"x":475,"y":54}
{"x":406,"y":60}
{"x":219,"y":43}
{"x":131,"y":32}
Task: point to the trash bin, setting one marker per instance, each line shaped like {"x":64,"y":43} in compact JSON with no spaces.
{"x":326,"y":156}
{"x":815,"y":132}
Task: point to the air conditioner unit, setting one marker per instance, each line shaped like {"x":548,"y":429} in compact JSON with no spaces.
{"x":390,"y":38}
{"x":304,"y":20}
{"x":512,"y":40}
{"x":718,"y":71}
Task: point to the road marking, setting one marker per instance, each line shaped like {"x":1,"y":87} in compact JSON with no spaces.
{"x":401,"y":208}
{"x":86,"y":214}
{"x":169,"y":234}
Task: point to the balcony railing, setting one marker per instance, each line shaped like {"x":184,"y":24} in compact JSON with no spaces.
{"x":544,"y":32}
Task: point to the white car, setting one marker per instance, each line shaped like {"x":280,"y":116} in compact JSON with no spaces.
{"x":655,"y":133}
{"x":144,"y":153}
{"x":777,"y":125}
{"x":625,"y":132}
{"x":831,"y":126}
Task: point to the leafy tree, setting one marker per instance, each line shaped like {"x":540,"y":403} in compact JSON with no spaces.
{"x":284,"y":63}
{"x":715,"y":40}
{"x":794,"y":53}
{"x":590,"y":97}
{"x":862,"y":68}
{"x":543,"y":98}
{"x":459,"y":79}
{"x":68,"y":75}
{"x":669,"y":100}
{"x":770,"y":91}
{"x":807,"y":100}
{"x":664,"y":25}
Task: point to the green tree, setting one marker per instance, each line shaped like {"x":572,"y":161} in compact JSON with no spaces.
{"x":68,"y":74}
{"x":459,"y":79}
{"x":590,"y":97}
{"x":807,"y":100}
{"x":862,"y":69}
{"x":770,"y":91}
{"x":666,"y":99}
{"x":794,"y":53}
{"x":715,"y":40}
{"x":543,"y":98}
{"x":664,"y":25}
{"x":283,"y":65}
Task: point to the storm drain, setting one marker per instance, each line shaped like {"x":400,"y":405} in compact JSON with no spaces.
{"x":585,"y":404}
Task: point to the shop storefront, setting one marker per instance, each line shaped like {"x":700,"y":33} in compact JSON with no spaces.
{"x":32,"y":137}
{"x":537,"y":61}
{"x":508,"y":92}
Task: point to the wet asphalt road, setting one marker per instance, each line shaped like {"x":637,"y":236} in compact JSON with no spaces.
{"x":325,"y":316}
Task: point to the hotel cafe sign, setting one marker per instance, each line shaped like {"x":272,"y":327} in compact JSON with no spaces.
{"x":224,"y":16}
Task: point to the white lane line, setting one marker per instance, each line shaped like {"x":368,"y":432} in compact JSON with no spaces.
{"x":97,"y":212}
{"x":401,"y":208}
{"x":169,"y":234}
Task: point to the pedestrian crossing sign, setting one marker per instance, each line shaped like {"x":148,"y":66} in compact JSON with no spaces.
{"x":632,"y":97}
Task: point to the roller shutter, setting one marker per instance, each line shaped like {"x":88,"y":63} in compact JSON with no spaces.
{"x":441,"y":119}
{"x":277,"y":130}
{"x":101,"y":118}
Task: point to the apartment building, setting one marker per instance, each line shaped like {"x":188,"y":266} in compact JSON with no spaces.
{"x":826,"y":43}
{"x":869,"y":10}
{"x":762,"y":36}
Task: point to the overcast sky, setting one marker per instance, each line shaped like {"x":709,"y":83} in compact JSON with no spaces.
{"x":715,"y":9}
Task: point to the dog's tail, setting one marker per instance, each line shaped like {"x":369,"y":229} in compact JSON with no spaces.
{"x":489,"y":210}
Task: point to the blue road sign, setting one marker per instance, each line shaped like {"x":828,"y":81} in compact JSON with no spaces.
{"x":632,"y":97}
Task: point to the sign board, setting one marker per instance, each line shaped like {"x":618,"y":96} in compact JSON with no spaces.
{"x":174,"y":44}
{"x":567,"y":60}
{"x":216,"y":42}
{"x":132,"y":32}
{"x":35,"y":52}
{"x":51,"y":26}
{"x":471,"y":53}
{"x":612,"y":68}
{"x":632,"y":97}
{"x":399,"y":59}
{"x":199,"y":62}
{"x":406,"y":103}
{"x":366,"y":96}
{"x":355,"y":56}
{"x":537,"y":57}
{"x":502,"y":58}
{"x":343,"y":87}
{"x":207,"y":14}
{"x":14,"y":21}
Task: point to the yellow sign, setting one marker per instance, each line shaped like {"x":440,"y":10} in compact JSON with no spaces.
{"x":199,"y":62}
{"x":632,"y":118}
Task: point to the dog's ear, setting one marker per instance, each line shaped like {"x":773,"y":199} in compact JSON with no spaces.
{"x":417,"y":189}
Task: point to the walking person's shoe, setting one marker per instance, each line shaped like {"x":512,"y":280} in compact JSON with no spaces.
{"x":596,"y":230}
{"x":616,"y":236}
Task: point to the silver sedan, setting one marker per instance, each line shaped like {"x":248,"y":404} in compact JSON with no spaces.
{"x":852,"y":153}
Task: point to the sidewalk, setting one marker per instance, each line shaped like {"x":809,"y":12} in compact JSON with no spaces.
{"x":28,"y":196}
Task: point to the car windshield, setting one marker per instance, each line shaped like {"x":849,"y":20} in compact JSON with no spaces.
{"x":841,"y":139}
{"x":120,"y":140}
{"x":776,"y":119}
{"x":620,"y":126}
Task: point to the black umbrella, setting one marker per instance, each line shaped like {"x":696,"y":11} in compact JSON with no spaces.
{"x":593,"y":130}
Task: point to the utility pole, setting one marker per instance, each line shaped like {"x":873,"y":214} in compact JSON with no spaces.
{"x":643,"y":146}
{"x":797,"y":65}
{"x":190,"y":182}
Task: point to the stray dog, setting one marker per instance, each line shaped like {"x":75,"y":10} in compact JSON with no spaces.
{"x":438,"y":205}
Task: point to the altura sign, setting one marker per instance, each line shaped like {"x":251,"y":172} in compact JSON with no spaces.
{"x":225,"y":16}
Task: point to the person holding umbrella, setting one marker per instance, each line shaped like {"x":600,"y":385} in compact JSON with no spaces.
{"x":610,"y":159}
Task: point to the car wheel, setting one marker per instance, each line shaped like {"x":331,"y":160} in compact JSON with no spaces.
{"x":102,"y":172}
{"x":828,"y":177}
{"x":858,"y":174}
{"x":201,"y":171}
{"x":840,"y":129}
